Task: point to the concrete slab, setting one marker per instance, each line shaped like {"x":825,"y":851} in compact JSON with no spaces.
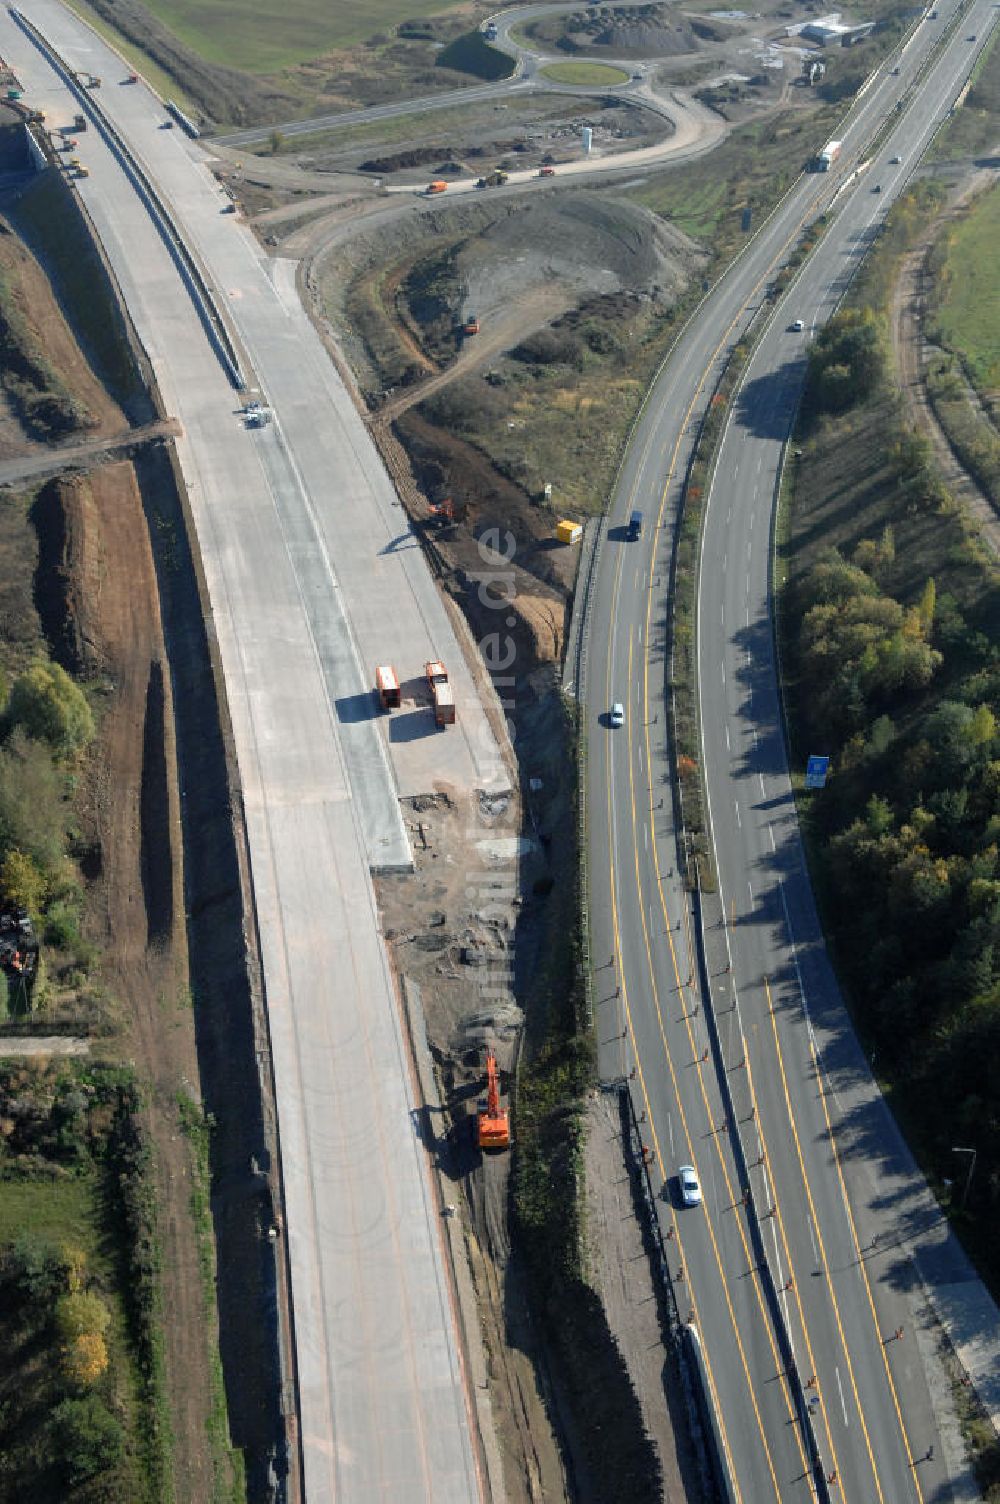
{"x":290,"y":529}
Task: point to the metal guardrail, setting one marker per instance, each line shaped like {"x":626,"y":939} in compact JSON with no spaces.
{"x":192,"y":276}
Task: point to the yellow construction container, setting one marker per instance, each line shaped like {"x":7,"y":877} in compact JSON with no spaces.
{"x":569,"y":532}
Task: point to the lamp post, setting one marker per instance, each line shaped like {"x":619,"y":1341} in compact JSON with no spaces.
{"x":968,"y":1178}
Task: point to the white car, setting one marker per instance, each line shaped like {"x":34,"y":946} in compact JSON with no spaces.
{"x":895,"y":161}
{"x":798,"y":326}
{"x":617,"y":716}
{"x":690,"y":1185}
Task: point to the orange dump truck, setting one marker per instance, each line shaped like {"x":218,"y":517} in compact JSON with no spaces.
{"x":387,"y":685}
{"x":441,"y":693}
{"x":438,"y":186}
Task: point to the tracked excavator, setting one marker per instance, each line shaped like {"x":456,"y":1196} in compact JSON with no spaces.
{"x":494,"y":1124}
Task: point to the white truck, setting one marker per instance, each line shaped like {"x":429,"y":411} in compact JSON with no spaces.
{"x":826,"y":158}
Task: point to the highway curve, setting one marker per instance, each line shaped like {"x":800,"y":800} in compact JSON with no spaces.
{"x":756,"y":1078}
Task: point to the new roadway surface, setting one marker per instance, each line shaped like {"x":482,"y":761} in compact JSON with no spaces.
{"x":808,"y":1270}
{"x":313,"y":577}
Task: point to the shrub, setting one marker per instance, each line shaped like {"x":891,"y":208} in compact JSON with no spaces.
{"x":32,"y":802}
{"x":88,"y":1440}
{"x":36,"y":1268}
{"x":84,"y":1360}
{"x":80,"y":1314}
{"x":21,"y":882}
{"x":51,"y":708}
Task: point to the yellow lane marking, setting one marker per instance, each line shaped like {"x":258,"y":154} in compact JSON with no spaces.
{"x":687,"y":1135}
{"x":813,"y":1369}
{"x":864,"y":1272}
{"x":819,"y":1235}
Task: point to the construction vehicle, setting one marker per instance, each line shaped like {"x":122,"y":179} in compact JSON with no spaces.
{"x":79,"y":123}
{"x":387,"y":685}
{"x":133,"y":78}
{"x":444,"y":514}
{"x":256,"y":415}
{"x":471,"y":325}
{"x":438,"y":186}
{"x":83,"y":172}
{"x":546,"y":172}
{"x":494,"y":1123}
{"x":73,"y":164}
{"x":13,"y":94}
{"x":495,"y":179}
{"x":441,"y":693}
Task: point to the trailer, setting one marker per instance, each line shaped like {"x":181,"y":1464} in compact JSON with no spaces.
{"x":387,"y":684}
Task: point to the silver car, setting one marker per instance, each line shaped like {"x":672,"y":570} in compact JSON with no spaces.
{"x":690,"y":1185}
{"x":617,"y":716}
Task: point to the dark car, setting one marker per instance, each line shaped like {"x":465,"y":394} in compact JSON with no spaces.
{"x":635,"y":526}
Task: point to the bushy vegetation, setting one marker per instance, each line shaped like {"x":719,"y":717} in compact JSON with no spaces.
{"x":46,"y":724}
{"x":79,"y":1394}
{"x":892,"y":631}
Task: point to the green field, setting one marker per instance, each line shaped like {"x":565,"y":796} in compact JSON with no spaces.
{"x":262,"y":38}
{"x":587,"y":75}
{"x":968,"y":313}
{"x":63,"y":1210}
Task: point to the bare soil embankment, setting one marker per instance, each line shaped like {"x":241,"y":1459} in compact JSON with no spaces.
{"x":116,"y":591}
{"x":474,"y":926}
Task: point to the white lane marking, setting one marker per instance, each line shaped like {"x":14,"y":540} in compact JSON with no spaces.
{"x":763,"y":791}
{"x":770,"y":833}
{"x":795,"y":957}
{"x":751,"y":522}
{"x":728,"y":743}
{"x":748,"y":614}
{"x":645,"y":837}
{"x":723,"y":676}
{"x":670,"y":1132}
{"x":812,"y":1239}
{"x":729,"y":516}
{"x":840,"y":1391}
{"x":736,"y":807}
{"x":725,"y":561}
{"x":750,"y":891}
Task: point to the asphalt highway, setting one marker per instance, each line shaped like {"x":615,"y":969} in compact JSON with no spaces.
{"x":807,"y":1138}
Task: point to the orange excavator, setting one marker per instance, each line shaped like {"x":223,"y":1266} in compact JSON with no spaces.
{"x":494,"y":1125}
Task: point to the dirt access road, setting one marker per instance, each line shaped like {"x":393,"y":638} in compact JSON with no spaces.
{"x":911,"y":352}
{"x":95,"y":592}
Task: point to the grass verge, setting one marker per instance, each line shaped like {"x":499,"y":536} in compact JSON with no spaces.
{"x":587,"y":75}
{"x":229,"y":1477}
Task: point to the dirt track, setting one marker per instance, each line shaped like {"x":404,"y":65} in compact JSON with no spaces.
{"x":910,"y":352}
{"x":136,"y":905}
